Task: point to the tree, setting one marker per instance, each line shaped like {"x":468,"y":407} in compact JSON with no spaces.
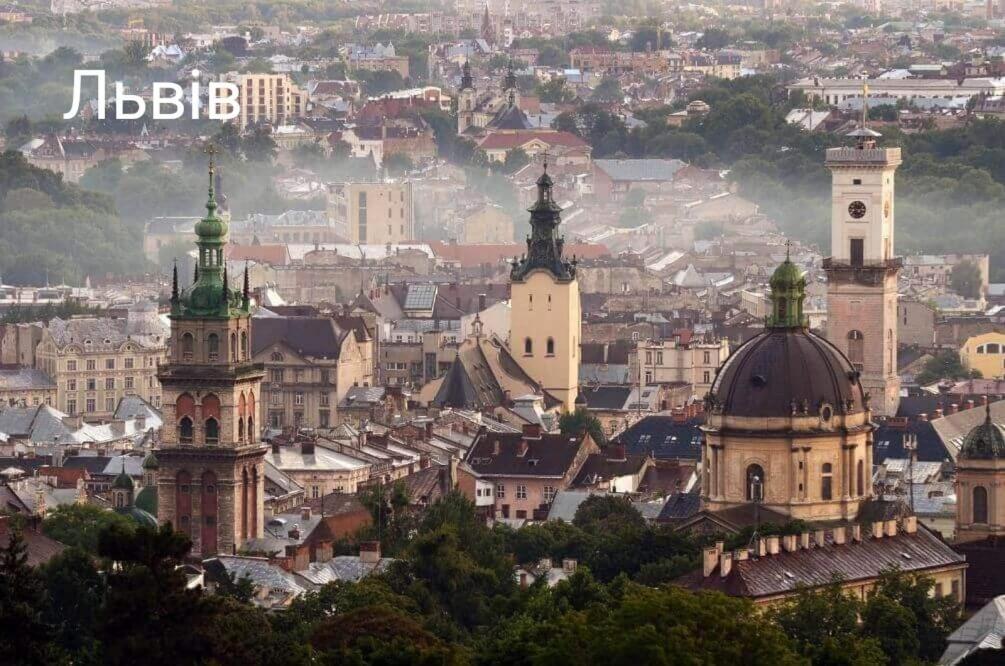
{"x":945,"y":365}
{"x":823,"y":625}
{"x":932,"y":618}
{"x":554,"y":91}
{"x":134,"y":55}
{"x":601,"y":512}
{"x":81,"y":525}
{"x":75,"y":591}
{"x":23,"y":630}
{"x":259,"y":146}
{"x":580,"y":421}
{"x":380,"y":635}
{"x":516,"y":159}
{"x":608,"y":90}
{"x":398,"y":164}
{"x":713,"y":38}
{"x":966,"y":279}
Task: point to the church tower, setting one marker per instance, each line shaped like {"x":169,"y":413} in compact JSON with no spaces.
{"x":545,"y":316}
{"x":980,"y":483}
{"x":466,"y":100}
{"x":210,"y":462}
{"x":862,"y":269}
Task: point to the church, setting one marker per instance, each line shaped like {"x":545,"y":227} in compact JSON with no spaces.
{"x":542,"y":358}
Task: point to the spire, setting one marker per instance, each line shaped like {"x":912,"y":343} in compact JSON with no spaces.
{"x":246,"y":293}
{"x":211,"y":202}
{"x":467,"y":81}
{"x":544,"y":245}
{"x":174,"y":284}
{"x":788,"y":291}
{"x":509,"y":83}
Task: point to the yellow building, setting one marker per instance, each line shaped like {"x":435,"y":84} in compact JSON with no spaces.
{"x":545,"y":316}
{"x":380,"y":213}
{"x":269,"y":98}
{"x":986,"y":354}
{"x":97,"y":361}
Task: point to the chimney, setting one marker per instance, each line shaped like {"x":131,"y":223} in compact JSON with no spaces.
{"x":970,"y":404}
{"x":877,"y":529}
{"x":984,"y":400}
{"x":544,"y":564}
{"x":839,"y":535}
{"x":118,"y":427}
{"x":294,"y":532}
{"x":890,"y":528}
{"x":856,"y":533}
{"x":307,"y":446}
{"x":275,"y":446}
{"x":569,"y":565}
{"x":938,"y":412}
{"x":305,"y":513}
{"x":709,"y":560}
{"x":429,"y":430}
{"x":772,"y":545}
{"x":818,"y":538}
{"x":521,"y":448}
{"x":481,"y":302}
{"x":616,"y":452}
{"x":523,"y":580}
{"x":923,"y":417}
{"x":369,"y":552}
{"x":911,"y":525}
{"x":532,"y":430}
{"x":725,"y":564}
{"x":789,"y":543}
{"x":740,"y":554}
{"x":804,"y":540}
{"x":953,"y":408}
{"x":762,"y":547}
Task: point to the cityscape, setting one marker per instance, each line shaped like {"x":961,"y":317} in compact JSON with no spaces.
{"x":453,"y":332}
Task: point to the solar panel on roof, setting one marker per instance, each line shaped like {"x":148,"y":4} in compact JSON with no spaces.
{"x":420,"y":297}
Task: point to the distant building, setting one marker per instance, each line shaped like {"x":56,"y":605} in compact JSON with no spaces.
{"x":380,"y":213}
{"x":268,"y":98}
{"x":97,"y":361}
{"x":23,"y":386}
{"x":986,"y":354}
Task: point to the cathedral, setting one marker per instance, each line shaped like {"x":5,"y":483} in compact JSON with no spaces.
{"x":210,"y":482}
{"x":542,"y":357}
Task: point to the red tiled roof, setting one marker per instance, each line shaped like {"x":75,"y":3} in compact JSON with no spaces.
{"x":475,"y":255}
{"x":274,"y":255}
{"x":65,"y":477}
{"x":507,"y":140}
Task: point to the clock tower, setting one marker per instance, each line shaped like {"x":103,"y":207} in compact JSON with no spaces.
{"x":862,"y":269}
{"x":211,"y":476}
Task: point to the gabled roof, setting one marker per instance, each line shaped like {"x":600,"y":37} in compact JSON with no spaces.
{"x":508,"y":140}
{"x":663,"y":437}
{"x":984,"y":630}
{"x":650,"y":170}
{"x":549,"y":456}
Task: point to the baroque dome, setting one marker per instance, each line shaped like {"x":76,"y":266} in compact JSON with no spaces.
{"x":787,"y":370}
{"x":985,"y":441}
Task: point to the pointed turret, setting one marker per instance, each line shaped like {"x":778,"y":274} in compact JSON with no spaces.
{"x":788,"y":291}
{"x":467,"y":81}
{"x":544,"y":245}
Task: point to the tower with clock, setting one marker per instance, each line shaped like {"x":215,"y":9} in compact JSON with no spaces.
{"x":862,"y":269}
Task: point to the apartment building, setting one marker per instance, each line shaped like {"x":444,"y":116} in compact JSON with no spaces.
{"x":380,"y":213}
{"x":268,"y":98}
{"x":97,"y":361}
{"x":311,"y":362}
{"x":682,"y":358}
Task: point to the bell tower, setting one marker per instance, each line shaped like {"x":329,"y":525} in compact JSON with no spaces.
{"x":545,"y":315}
{"x":862,"y":269}
{"x":466,"y":100}
{"x":210,"y":482}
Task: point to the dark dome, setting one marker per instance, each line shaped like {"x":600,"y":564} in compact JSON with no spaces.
{"x":782,"y":369}
{"x":986,"y":440}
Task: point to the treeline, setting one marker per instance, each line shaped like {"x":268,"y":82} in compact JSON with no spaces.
{"x":451,"y":597}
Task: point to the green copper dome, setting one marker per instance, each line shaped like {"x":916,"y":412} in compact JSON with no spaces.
{"x":985,"y":441}
{"x":123,"y":481}
{"x":150,"y":462}
{"x":788,"y":291}
{"x":210,"y":294}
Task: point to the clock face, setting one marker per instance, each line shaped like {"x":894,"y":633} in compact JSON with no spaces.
{"x":856,"y":209}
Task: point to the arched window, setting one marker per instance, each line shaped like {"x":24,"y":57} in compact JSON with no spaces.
{"x":827,"y":482}
{"x":277,"y":357}
{"x":856,"y":349}
{"x":187,"y":346}
{"x":212,"y":431}
{"x":244,"y":345}
{"x":550,"y":347}
{"x":755,"y":483}
{"x":528,"y":347}
{"x":994,"y":348}
{"x":860,"y":478}
{"x":213,"y":346}
{"x":240,"y":429}
{"x":980,"y":507}
{"x":233,"y":347}
{"x":185,"y":430}
{"x":252,"y":435}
